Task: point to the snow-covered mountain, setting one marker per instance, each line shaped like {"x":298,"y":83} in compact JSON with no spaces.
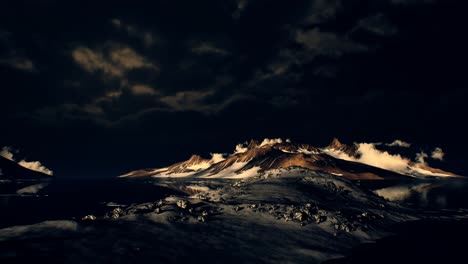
{"x":254,"y":158}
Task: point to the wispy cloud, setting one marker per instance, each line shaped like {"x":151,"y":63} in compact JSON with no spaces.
{"x":370,"y":155}
{"x":421,"y":157}
{"x":377,"y":24}
{"x":323,"y":10}
{"x":197,"y":101}
{"x":7,"y":152}
{"x":147,"y":37}
{"x":13,"y":56}
{"x":399,"y":143}
{"x":141,"y":89}
{"x":202,"y":48}
{"x":271,"y":141}
{"x":19,"y":63}
{"x":187,"y":100}
{"x":241,"y":5}
{"x":327,"y":43}
{"x":115,"y":63}
{"x":438,"y":154}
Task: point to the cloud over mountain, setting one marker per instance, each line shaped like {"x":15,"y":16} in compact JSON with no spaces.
{"x":8,"y":153}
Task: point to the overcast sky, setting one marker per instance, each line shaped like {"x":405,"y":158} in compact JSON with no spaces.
{"x":98,"y":90}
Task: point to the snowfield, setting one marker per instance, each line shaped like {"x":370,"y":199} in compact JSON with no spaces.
{"x":287,"y":215}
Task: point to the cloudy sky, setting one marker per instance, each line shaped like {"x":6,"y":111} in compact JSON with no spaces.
{"x":100,"y":89}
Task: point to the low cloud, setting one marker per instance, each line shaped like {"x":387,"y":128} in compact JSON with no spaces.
{"x":382,"y":159}
{"x":240,"y":148}
{"x":217,"y":157}
{"x":421,"y":158}
{"x":272,"y":141}
{"x":438,"y":154}
{"x":35,"y":166}
{"x":370,"y":155}
{"x":243,"y":147}
{"x":7,"y":153}
{"x":399,"y":143}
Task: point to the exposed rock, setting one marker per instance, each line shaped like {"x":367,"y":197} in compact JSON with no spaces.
{"x":182,"y":204}
{"x":160,"y":203}
{"x":238,"y":208}
{"x":89,"y":218}
{"x":300,"y":216}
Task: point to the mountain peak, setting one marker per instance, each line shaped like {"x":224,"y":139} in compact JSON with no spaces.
{"x":351,"y":150}
{"x":335,"y":144}
{"x":253,"y":144}
{"x":195,"y":158}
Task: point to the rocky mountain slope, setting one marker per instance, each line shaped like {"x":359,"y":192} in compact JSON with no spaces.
{"x":254,"y":158}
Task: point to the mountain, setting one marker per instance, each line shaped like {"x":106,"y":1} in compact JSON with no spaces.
{"x":254,"y":158}
{"x":13,"y":171}
{"x":185,"y":168}
{"x":349,"y":150}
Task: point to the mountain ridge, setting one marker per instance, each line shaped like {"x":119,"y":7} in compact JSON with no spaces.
{"x":253,"y":158}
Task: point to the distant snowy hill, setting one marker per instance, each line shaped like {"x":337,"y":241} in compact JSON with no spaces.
{"x":357,"y":162}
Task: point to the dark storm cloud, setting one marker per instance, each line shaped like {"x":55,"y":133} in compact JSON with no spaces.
{"x":378,"y":24}
{"x":202,"y":48}
{"x":323,"y":10}
{"x":152,"y":73}
{"x":327,"y":43}
{"x":148,"y":38}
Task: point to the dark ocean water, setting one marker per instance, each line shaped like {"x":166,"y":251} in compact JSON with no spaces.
{"x":426,"y":241}
{"x":448,"y":194}
{"x":71,"y":199}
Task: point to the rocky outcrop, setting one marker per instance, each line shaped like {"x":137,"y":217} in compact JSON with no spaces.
{"x":352,"y":150}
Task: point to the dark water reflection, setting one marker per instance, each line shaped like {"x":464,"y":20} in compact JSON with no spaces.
{"x":70,"y":199}
{"x":424,"y":241}
{"x":432,"y":193}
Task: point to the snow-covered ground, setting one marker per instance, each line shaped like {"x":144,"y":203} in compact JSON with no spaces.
{"x":292,"y":215}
